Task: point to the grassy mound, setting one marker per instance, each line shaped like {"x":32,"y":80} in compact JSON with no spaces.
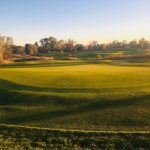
{"x":85,"y":95}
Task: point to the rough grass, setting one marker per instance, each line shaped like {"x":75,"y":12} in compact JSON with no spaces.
{"x":18,"y":137}
{"x":86,"y":95}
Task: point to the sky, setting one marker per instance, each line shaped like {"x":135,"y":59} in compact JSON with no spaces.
{"x":28,"y":21}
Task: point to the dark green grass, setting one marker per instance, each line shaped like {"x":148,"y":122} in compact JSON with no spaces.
{"x":17,"y":137}
{"x":86,"y":95}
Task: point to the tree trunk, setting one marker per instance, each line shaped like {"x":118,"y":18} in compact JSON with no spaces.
{"x":1,"y":57}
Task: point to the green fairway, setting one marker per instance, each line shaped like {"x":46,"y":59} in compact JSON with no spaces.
{"x":87,"y":95}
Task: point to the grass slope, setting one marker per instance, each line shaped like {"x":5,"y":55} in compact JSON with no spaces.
{"x":88,"y":95}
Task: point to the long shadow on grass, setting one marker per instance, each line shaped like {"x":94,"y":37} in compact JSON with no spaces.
{"x":93,"y":106}
{"x":117,"y":62}
{"x":67,"y":107}
{"x":16,"y":94}
{"x":12,"y":86}
{"x":12,"y":93}
{"x":50,"y":64}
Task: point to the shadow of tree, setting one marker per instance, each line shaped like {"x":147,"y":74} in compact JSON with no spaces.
{"x":7,"y":97}
{"x":49,"y":64}
{"x":91,"y":106}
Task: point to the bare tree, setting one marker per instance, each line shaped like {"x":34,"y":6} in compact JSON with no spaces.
{"x":93,"y":45}
{"x":31,"y":49}
{"x":1,"y":49}
{"x":61,"y":46}
{"x":70,"y":46}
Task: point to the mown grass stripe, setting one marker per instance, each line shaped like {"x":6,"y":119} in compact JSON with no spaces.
{"x":64,"y":130}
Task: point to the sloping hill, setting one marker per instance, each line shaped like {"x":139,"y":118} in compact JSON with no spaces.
{"x":76,"y":95}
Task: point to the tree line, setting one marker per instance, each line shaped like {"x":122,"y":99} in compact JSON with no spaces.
{"x":52,"y":44}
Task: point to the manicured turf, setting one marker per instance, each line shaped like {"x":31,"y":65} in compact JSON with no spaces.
{"x":86,"y":95}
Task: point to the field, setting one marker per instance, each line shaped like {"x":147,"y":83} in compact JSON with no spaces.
{"x":87,"y":95}
{"x":18,"y":137}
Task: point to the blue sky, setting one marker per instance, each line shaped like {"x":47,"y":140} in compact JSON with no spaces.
{"x":28,"y":21}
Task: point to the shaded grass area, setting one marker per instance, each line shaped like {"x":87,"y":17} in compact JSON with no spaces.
{"x":60,"y":109}
{"x":32,"y":138}
{"x":96,"y":96}
{"x":61,"y":63}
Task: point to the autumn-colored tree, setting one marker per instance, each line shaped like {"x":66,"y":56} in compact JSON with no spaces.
{"x":1,"y":49}
{"x":5,"y":48}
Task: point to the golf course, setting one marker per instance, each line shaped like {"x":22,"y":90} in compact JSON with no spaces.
{"x":75,"y":75}
{"x":83,"y":95}
{"x":76,"y":95}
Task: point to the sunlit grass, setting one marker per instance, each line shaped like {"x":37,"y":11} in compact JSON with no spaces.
{"x":97,"y":95}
